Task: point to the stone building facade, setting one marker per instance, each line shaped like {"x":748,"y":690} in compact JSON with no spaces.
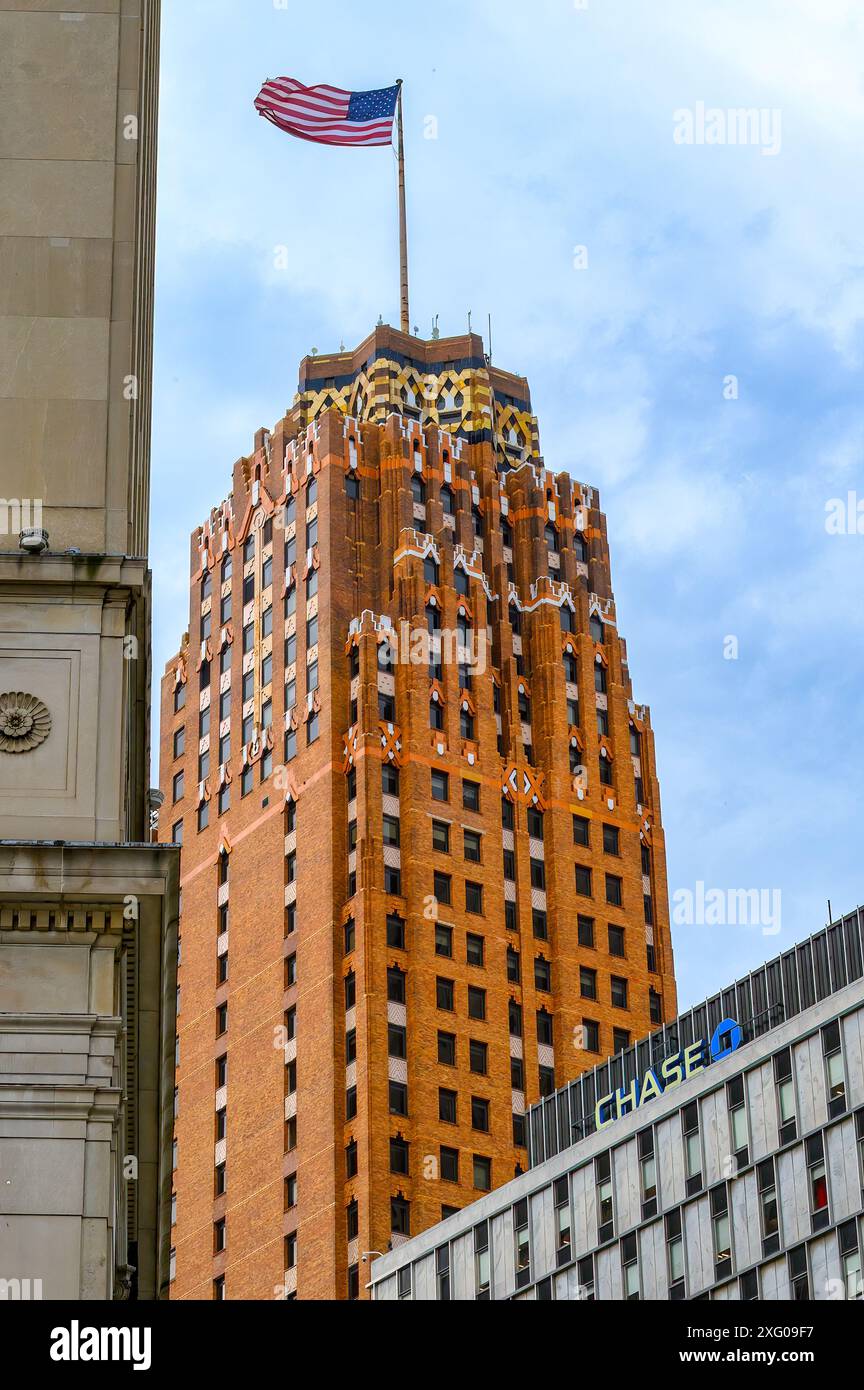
{"x":88,"y":904}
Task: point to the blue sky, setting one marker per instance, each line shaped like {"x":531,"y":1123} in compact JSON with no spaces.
{"x":554,"y":132}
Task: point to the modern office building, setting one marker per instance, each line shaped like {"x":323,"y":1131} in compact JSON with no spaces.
{"x":88,"y":903}
{"x":722,"y":1157}
{"x":423,"y":867}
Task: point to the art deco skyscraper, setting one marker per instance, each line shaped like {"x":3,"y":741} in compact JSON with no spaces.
{"x":423,"y":873}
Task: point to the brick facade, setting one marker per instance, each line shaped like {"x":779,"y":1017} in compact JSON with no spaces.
{"x":403,"y":494}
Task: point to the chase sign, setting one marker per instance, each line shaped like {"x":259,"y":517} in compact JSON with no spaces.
{"x":680,"y":1066}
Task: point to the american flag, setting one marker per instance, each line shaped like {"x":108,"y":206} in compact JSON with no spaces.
{"x":327,"y":115}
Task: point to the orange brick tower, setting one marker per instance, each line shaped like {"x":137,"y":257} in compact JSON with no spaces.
{"x":423,"y":872}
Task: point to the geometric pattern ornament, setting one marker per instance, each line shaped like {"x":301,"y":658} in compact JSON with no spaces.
{"x":25,"y":722}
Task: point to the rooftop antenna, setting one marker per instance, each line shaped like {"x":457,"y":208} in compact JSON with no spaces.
{"x":469,"y":320}
{"x":435,"y":331}
{"x":830,"y":917}
{"x":490,"y":337}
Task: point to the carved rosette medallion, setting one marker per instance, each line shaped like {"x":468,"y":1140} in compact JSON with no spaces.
{"x":25,"y":722}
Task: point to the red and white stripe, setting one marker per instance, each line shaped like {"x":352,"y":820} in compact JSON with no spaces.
{"x":318,"y":113}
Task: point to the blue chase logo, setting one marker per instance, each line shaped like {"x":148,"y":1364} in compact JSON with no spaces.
{"x":672,"y":1071}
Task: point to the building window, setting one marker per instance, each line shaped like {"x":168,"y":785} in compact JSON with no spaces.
{"x":818,"y":1182}
{"x":482,"y":1173}
{"x":721,"y":1231}
{"x":655,"y":1006}
{"x":521,"y":1244}
{"x":471,"y":795}
{"x":444,"y":941}
{"x":585,"y":1274}
{"x":648,"y":1174}
{"x":542,"y":975}
{"x":445,"y":994}
{"x":482,"y":1264}
{"x":219,"y":1294}
{"x":850,"y":1254}
{"x":834,"y":1071}
{"x":220,"y":1236}
{"x":585,"y":931}
{"x":675,"y":1255}
{"x":692,"y":1147}
{"x":442,"y":1273}
{"x":221,"y":1020}
{"x":540,"y":924}
{"x":614,"y":891}
{"x":441,"y":837}
{"x":447,"y":1049}
{"x":514,"y":973}
{"x":738,"y":1121}
{"x":630,"y":1266}
{"x":605,"y":1202}
{"x":352,"y":1220}
{"x":475,"y":950}
{"x":397,"y":1040}
{"x":447,"y":1107}
{"x":396,"y":985}
{"x":583,"y":881}
{"x":399,"y":1157}
{"x":398,"y":1096}
{"x":620,"y":1040}
{"x":395,"y":932}
{"x":479,"y":1057}
{"x":786,"y":1106}
{"x":476,"y":1003}
{"x":587,"y":982}
{"x":440,"y":786}
{"x":590,"y":1035}
{"x":563,"y":1222}
{"x":472,"y":846}
{"x":474,"y":898}
{"x":799,"y":1280}
{"x":748,"y":1286}
{"x":581,"y":831}
{"x":768,"y":1208}
{"x":611,"y":840}
{"x":480,"y":1114}
{"x":616,"y":941}
{"x":351,"y":1103}
{"x":443,"y":889}
{"x":619,"y":992}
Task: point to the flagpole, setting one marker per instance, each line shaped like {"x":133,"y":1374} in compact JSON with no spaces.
{"x":403,"y":220}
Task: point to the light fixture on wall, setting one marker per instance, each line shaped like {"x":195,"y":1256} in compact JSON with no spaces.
{"x":34,"y":541}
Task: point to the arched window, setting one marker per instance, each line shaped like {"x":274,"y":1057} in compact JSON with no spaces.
{"x":431,"y":570}
{"x":312,"y":493}
{"x":466,"y":725}
{"x":571,"y":670}
{"x":524,"y":708}
{"x":448,"y":501}
{"x":206,"y":585}
{"x":568,"y":620}
{"x":552,"y":538}
{"x":436,"y":715}
{"x":596,"y":628}
{"x":515,"y":620}
{"x":249,"y":549}
{"x":227,"y":569}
